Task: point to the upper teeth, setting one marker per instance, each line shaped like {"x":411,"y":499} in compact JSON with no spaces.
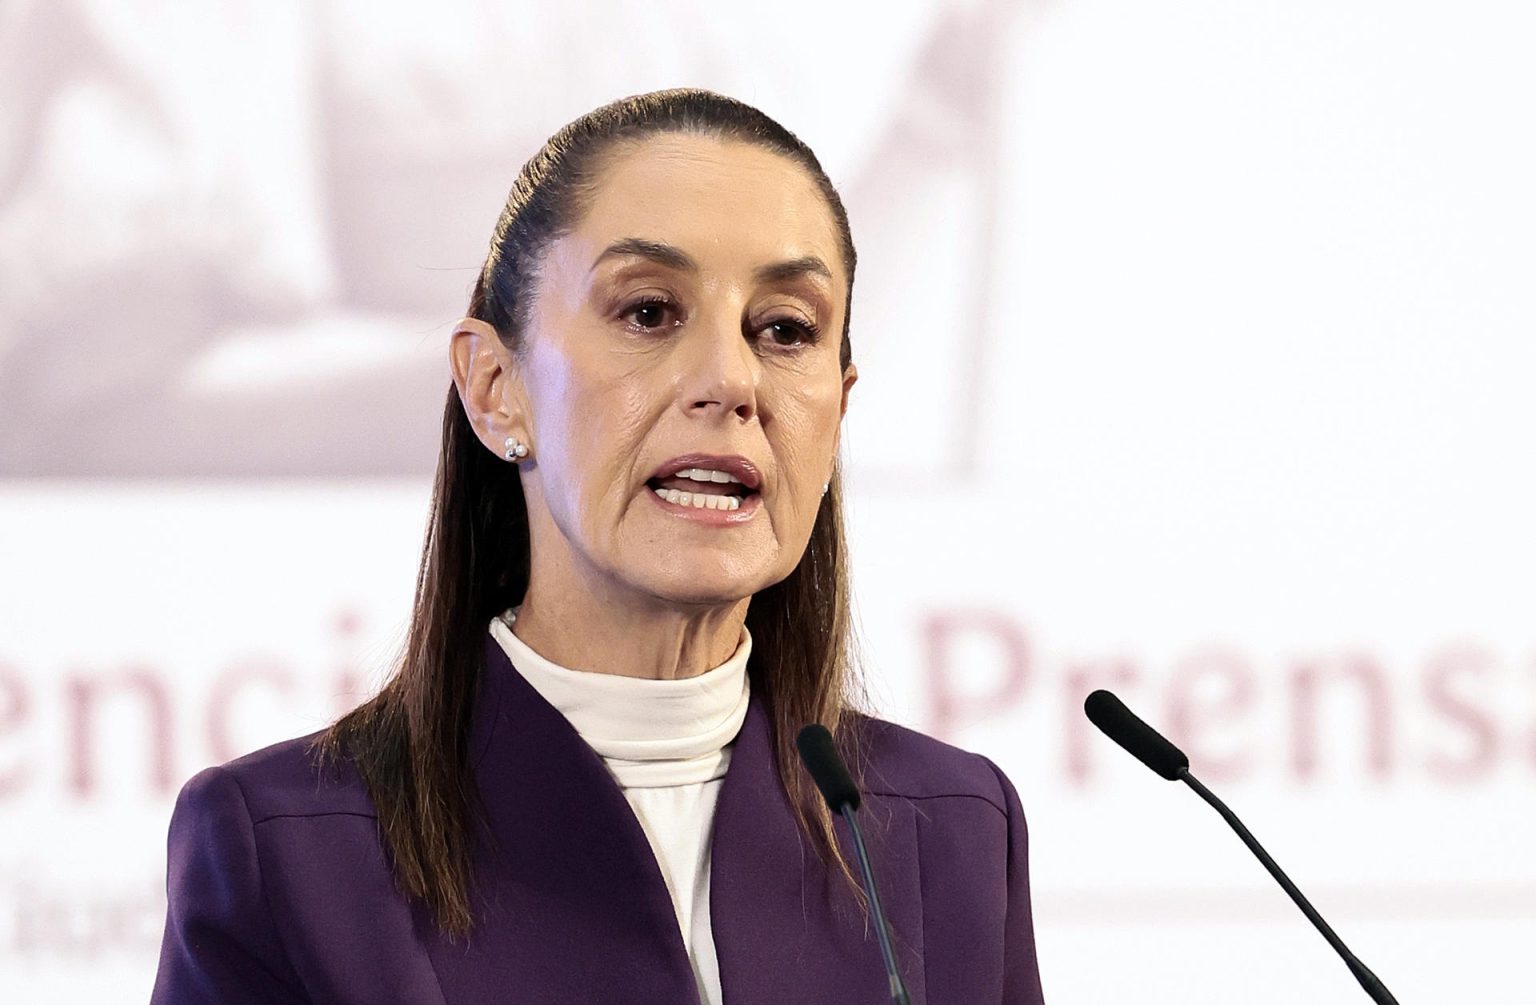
{"x":707,"y":475}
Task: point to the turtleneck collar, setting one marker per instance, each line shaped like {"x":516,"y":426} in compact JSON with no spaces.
{"x":650,"y":733}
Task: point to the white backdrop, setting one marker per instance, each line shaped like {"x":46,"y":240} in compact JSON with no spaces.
{"x":1196,"y":352}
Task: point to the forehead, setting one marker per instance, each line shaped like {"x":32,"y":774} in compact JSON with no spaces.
{"x":727,"y":203}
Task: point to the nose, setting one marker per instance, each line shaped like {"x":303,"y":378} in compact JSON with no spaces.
{"x":721,"y":372}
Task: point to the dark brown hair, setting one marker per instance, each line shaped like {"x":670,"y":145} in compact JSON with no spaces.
{"x":409,"y":743}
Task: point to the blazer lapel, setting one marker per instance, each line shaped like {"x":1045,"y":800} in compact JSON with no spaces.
{"x":786,"y":928}
{"x":569,"y":901}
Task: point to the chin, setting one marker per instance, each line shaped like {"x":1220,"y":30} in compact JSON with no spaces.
{"x":708,"y":582}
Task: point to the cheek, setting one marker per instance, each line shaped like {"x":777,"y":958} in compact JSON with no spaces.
{"x":806,"y":418}
{"x":591,"y":420}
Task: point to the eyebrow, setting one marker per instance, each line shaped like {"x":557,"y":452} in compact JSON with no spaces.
{"x":656,"y":251}
{"x":676,"y":258}
{"x":805,"y":265}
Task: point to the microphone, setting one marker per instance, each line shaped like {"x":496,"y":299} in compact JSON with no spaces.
{"x":1154,"y":750}
{"x":826,"y":768}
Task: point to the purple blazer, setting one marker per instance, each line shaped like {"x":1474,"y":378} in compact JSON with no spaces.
{"x":279,"y":890}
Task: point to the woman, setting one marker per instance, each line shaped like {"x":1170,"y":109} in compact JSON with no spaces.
{"x":580,"y":784}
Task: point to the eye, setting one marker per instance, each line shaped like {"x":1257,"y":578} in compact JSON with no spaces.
{"x":651,"y":313}
{"x":791,"y":332}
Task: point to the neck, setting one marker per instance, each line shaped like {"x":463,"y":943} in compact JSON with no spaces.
{"x":650,"y":640}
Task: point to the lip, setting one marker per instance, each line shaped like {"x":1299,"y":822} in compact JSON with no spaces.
{"x":733,"y":464}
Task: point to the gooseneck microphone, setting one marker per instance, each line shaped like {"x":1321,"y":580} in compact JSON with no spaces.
{"x":1151,"y":748}
{"x":826,"y":768}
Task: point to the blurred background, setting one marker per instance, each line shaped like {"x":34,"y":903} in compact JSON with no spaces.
{"x":1197,"y":343}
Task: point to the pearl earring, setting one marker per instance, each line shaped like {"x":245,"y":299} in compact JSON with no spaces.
{"x":516,"y":449}
{"x":825,"y":486}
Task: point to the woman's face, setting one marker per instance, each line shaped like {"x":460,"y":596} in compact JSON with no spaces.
{"x":680,"y":378}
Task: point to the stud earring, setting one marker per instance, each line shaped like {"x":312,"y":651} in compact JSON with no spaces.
{"x":516,"y":449}
{"x":825,"y":486}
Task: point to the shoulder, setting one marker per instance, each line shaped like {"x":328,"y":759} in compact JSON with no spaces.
{"x":285,"y":779}
{"x":950,"y":822}
{"x":898,"y":761}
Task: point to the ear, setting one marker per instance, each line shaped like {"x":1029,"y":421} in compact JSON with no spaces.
{"x":489,"y":383}
{"x":850,"y":375}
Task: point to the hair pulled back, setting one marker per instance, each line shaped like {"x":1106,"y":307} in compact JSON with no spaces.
{"x":409,"y":742}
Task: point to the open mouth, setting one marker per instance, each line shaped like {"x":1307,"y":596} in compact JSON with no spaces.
{"x":702,"y":488}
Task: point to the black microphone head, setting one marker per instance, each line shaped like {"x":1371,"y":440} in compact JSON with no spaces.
{"x":826,"y":767}
{"x":1148,"y":745}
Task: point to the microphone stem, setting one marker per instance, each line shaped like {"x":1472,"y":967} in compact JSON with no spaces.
{"x":1373,"y":986}
{"x":898,"y":990}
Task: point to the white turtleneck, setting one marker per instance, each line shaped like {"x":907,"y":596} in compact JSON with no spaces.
{"x":667,"y":744}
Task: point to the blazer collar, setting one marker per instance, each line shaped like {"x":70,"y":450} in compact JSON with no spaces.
{"x":786,"y":927}
{"x":569,"y":901}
